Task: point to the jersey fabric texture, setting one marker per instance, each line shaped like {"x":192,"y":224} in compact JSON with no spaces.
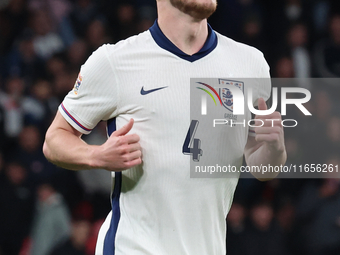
{"x":156,"y":207}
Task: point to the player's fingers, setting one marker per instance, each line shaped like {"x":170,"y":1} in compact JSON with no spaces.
{"x":271,"y":119}
{"x":260,"y":123}
{"x":132,"y":156}
{"x":134,"y":147}
{"x":132,"y":163}
{"x":131,"y":138}
{"x":124,"y":130}
{"x":274,"y":115}
{"x":268,"y":130}
{"x":262,"y":104}
{"x":269,"y":138}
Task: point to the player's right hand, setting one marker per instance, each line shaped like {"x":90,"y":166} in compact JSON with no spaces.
{"x":121,"y":151}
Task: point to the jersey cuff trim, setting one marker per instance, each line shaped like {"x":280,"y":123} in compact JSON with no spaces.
{"x":251,"y":132}
{"x":74,"y":120}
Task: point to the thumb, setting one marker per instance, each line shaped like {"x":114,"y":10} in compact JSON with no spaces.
{"x":262,"y":104}
{"x":124,"y":130}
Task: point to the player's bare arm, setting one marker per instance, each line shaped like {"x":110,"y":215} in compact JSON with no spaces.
{"x":64,"y":147}
{"x":267,"y":147}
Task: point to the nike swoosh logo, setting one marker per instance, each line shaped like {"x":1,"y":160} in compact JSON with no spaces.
{"x":145,"y":92}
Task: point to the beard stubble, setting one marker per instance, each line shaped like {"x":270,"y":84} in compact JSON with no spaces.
{"x":194,"y":9}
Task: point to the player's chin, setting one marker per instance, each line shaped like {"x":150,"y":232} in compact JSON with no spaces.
{"x":212,"y":3}
{"x":204,"y":9}
{"x":198,"y":9}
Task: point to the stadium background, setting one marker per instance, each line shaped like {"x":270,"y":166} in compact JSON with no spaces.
{"x":42,"y":45}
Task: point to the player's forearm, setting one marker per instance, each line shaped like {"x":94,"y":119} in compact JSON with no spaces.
{"x":66,"y":150}
{"x":64,"y":147}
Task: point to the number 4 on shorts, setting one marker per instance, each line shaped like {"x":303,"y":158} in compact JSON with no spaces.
{"x":190,"y":140}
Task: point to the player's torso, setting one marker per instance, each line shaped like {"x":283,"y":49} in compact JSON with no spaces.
{"x":154,"y":89}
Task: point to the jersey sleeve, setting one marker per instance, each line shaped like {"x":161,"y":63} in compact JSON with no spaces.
{"x":94,"y":96}
{"x":262,"y":87}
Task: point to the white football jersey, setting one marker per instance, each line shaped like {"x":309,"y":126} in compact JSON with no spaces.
{"x":156,"y":207}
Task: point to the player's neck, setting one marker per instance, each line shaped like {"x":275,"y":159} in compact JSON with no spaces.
{"x":188,"y":34}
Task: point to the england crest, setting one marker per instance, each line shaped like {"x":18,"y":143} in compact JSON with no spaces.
{"x":225,"y":93}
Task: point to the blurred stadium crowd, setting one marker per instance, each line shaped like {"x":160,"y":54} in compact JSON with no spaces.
{"x":45,"y":210}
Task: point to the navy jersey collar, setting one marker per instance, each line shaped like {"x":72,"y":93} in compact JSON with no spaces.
{"x":163,"y":42}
